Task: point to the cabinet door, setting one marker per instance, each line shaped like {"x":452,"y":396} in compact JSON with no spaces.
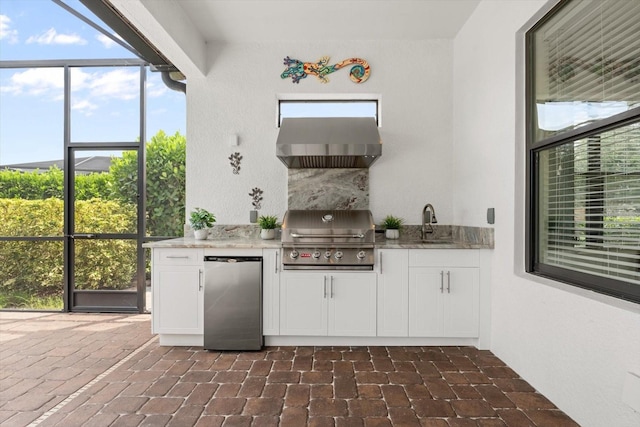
{"x":303,"y":303}
{"x":178,"y":306}
{"x":352,"y":304}
{"x":462,"y":302}
{"x":426,"y":295}
{"x":393,"y":293}
{"x":271,"y":292}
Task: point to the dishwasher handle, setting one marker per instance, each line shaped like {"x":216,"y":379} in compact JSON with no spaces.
{"x":232,"y":259}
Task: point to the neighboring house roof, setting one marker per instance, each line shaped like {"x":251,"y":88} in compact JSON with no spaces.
{"x":84,"y":165}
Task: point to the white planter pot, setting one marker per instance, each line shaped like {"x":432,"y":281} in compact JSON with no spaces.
{"x":267,"y":234}
{"x":201,"y":234}
{"x":392,"y":234}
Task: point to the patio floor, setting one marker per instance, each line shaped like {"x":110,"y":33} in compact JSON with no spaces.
{"x":108,"y":370}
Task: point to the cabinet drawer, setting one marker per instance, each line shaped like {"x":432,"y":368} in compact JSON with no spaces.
{"x":178,"y":256}
{"x":444,"y":258}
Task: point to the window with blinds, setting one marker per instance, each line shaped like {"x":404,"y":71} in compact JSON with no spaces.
{"x":584,"y":146}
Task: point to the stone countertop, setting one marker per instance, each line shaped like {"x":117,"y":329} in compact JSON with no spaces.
{"x":257,"y":243}
{"x":235,"y":242}
{"x":429,"y":244}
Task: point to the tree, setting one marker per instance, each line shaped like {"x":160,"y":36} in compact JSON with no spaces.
{"x":165,"y":163}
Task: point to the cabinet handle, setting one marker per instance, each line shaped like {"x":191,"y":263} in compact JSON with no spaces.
{"x":448,"y":282}
{"x":380,"y":262}
{"x":325,"y":286}
{"x":331,"y":286}
{"x":178,"y":256}
{"x":276,"y":262}
{"x":199,"y":279}
{"x":441,"y":281}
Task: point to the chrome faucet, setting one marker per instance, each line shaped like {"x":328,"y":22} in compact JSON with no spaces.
{"x":428,"y":218}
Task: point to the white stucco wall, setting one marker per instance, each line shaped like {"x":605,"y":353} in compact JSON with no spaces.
{"x":239,"y":96}
{"x":575,"y":347}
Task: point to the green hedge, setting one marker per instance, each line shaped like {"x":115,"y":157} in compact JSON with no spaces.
{"x":165,"y":163}
{"x":36,"y":267}
{"x":43,"y":185}
{"x":165,"y":166}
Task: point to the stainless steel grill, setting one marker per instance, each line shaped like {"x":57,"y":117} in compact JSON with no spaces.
{"x":328,"y":240}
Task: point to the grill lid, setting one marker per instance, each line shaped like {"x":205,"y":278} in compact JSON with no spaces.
{"x":353,"y":227}
{"x":328,"y":142}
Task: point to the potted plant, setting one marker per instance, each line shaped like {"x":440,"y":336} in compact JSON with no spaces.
{"x":392,"y":226}
{"x":268,"y":224}
{"x":200,"y":220}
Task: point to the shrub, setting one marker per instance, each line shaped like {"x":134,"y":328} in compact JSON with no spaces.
{"x":44,"y":185}
{"x":165,"y":162}
{"x":31,"y":185}
{"x":37,"y":267}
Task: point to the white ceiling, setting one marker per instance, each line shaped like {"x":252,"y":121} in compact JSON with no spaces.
{"x":319,"y":20}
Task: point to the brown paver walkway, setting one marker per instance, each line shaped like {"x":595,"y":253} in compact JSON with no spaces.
{"x":107,"y":370}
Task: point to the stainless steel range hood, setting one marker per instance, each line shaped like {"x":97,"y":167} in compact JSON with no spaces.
{"x":328,"y":142}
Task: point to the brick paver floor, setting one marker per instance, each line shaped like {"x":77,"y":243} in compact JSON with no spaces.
{"x":107,"y":370}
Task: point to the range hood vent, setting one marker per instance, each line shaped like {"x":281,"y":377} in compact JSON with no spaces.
{"x":328,"y":142}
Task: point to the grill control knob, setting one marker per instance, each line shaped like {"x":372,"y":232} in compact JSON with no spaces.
{"x":294,"y":254}
{"x":316,"y":254}
{"x":361,"y":255}
{"x":327,"y":254}
{"x":339,"y":255}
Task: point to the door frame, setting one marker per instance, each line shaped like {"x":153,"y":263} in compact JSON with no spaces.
{"x":69,"y":203}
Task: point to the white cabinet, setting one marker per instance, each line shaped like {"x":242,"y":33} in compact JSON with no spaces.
{"x":352,"y":304}
{"x":177,"y":287}
{"x":393,"y":292}
{"x":444,"y":293}
{"x":334,"y":304}
{"x":271,"y":291}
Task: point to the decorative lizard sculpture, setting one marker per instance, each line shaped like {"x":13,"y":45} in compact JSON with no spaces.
{"x":298,"y":70}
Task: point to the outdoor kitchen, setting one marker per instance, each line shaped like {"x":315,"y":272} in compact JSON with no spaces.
{"x":389,"y":219}
{"x":449,"y":119}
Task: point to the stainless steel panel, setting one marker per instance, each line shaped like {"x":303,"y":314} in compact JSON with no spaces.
{"x":233,"y":303}
{"x":339,"y":227}
{"x":328,"y":142}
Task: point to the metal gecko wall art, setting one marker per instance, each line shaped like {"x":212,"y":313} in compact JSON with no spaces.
{"x":299,"y":70}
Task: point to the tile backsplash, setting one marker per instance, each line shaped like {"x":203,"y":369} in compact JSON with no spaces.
{"x":340,"y":189}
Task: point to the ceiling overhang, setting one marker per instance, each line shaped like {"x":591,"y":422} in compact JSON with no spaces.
{"x":125,"y":29}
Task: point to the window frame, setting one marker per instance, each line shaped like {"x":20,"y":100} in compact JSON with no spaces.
{"x":328,"y":101}
{"x":608,"y":286}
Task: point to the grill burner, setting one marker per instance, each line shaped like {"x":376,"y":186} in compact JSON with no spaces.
{"x":328,"y":239}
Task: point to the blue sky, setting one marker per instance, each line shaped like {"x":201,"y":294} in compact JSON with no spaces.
{"x":104,"y":101}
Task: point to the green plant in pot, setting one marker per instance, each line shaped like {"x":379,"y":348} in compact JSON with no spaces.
{"x":268,"y":225}
{"x":392,"y":225}
{"x":201,"y":220}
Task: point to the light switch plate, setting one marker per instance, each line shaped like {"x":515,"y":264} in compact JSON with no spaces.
{"x":491,"y":215}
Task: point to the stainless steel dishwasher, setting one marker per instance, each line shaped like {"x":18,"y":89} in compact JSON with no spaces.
{"x":233,"y":303}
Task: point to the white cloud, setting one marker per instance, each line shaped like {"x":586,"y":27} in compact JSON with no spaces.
{"x":118,"y":84}
{"x":89,"y":90}
{"x":37,"y":82}
{"x":6,"y":32}
{"x":52,"y":37}
{"x":107,"y":43}
{"x":84,"y":106}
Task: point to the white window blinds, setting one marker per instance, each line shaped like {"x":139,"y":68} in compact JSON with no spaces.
{"x":584,"y":145}
{"x":589,"y":205}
